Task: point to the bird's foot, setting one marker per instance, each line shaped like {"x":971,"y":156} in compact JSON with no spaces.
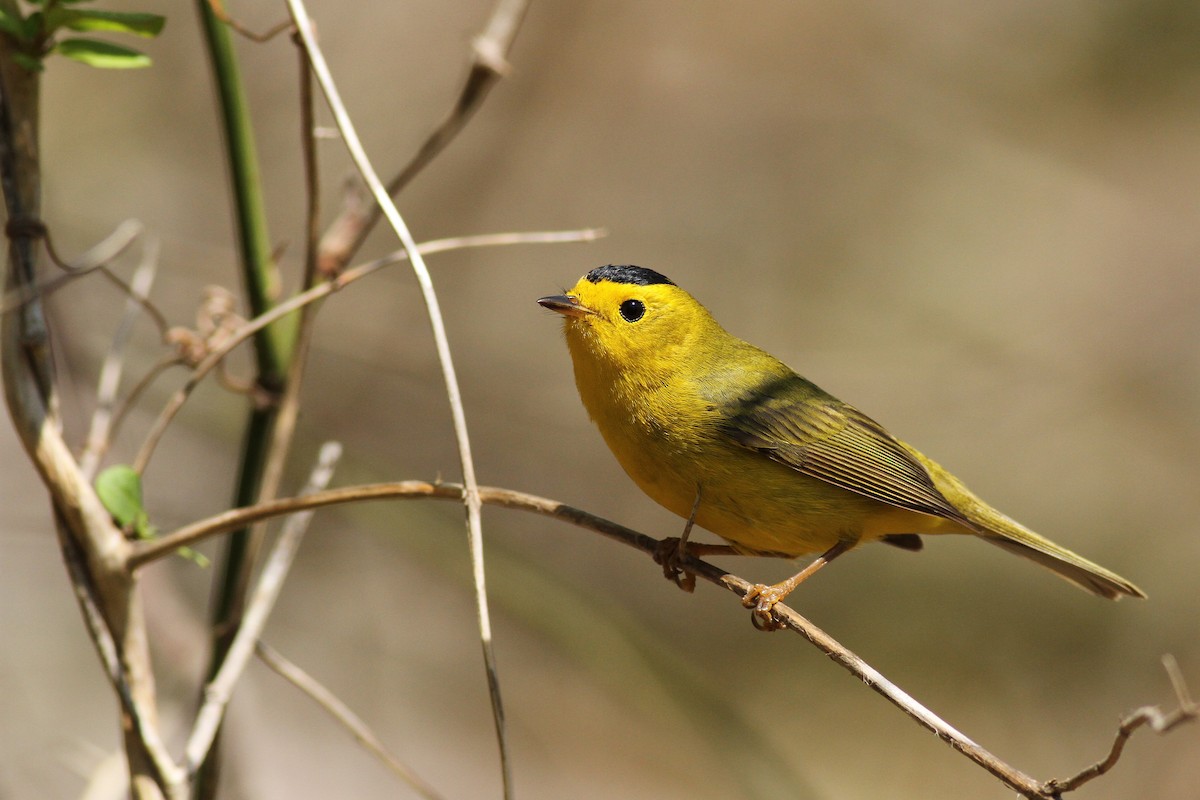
{"x":762,"y":599}
{"x":668,"y":555}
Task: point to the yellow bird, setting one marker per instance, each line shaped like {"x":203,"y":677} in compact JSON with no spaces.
{"x":730,"y":438}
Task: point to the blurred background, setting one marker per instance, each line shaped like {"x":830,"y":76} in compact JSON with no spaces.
{"x":976,"y":222}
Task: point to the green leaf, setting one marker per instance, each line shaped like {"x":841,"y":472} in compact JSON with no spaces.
{"x":136,"y":23}
{"x":120,"y":490}
{"x":103,"y":55}
{"x":13,"y":25}
{"x":32,"y":26}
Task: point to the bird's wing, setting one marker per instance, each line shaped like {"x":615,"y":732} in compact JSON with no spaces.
{"x":795,"y":423}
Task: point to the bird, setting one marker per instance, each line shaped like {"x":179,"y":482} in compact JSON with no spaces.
{"x":731,"y":439}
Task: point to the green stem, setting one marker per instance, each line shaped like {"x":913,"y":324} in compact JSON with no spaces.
{"x":272,"y":346}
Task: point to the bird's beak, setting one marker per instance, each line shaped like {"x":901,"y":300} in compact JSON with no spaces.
{"x":566,"y":305}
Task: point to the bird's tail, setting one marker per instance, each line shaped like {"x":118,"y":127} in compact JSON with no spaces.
{"x":994,"y":527}
{"x":1074,"y":568}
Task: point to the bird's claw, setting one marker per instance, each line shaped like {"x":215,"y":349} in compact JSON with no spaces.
{"x":667,"y":555}
{"x":762,"y":599}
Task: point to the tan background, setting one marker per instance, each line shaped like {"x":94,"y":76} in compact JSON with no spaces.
{"x":977,"y":222}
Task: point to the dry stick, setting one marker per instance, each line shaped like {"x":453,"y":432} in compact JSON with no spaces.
{"x":442,"y":345}
{"x":286,"y":307}
{"x":489,"y":52}
{"x":114,"y":363}
{"x":220,"y":689}
{"x":1027,"y":786}
{"x":1153,"y":716}
{"x":348,"y":719}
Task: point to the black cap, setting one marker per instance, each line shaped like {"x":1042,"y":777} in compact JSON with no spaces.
{"x":628,"y":273}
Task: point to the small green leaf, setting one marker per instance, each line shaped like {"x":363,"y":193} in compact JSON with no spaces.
{"x":120,"y":490}
{"x":195,"y":556}
{"x":136,"y":23}
{"x":103,"y":55}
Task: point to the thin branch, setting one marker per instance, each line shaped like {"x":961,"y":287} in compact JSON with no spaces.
{"x":489,"y":53}
{"x":220,"y":689}
{"x":1151,"y":716}
{"x":114,"y":363}
{"x":101,"y":253}
{"x":286,"y":307}
{"x":347,"y":718}
{"x":147,"y":551}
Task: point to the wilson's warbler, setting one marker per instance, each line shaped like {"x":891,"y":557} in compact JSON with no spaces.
{"x":725,"y":435}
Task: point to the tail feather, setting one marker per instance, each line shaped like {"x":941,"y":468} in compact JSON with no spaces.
{"x":1014,"y":537}
{"x":1074,"y":568}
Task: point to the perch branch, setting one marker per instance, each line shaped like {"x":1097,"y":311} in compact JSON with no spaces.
{"x":147,"y":551}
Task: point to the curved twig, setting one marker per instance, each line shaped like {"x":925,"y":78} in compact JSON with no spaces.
{"x":1152,"y":716}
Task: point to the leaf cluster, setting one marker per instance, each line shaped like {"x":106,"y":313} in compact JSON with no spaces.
{"x":35,"y":35}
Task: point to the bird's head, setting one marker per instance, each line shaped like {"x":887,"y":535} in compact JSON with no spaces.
{"x":631,"y":319}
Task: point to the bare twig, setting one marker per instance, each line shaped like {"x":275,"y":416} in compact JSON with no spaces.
{"x":104,"y":251}
{"x":114,"y":363}
{"x":347,"y":718}
{"x":286,"y":307}
{"x":1151,"y":716}
{"x":220,"y":689}
{"x":489,"y":52}
{"x":146,"y":551}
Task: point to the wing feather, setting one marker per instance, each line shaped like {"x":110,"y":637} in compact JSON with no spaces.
{"x":793,"y":422}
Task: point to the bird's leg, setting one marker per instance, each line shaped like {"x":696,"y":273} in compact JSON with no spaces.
{"x":763,"y":598}
{"x":671,"y":551}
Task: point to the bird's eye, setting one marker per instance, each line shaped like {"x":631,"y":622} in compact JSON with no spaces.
{"x":633,"y":310}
